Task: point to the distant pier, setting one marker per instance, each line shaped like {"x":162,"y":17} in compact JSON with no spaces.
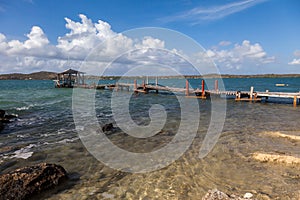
{"x":250,"y":96}
{"x":72,"y":78}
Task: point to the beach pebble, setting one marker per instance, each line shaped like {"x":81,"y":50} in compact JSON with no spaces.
{"x":248,"y":195}
{"x":218,"y":195}
{"x":215,"y":195}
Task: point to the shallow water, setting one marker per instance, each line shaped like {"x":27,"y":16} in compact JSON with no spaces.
{"x":45,"y":132}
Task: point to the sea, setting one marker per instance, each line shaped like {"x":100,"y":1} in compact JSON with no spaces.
{"x":45,"y":131}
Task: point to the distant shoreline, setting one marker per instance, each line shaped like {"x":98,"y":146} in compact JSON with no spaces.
{"x":44,"y":75}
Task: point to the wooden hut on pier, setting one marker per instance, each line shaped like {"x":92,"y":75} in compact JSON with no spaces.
{"x":69,"y":79}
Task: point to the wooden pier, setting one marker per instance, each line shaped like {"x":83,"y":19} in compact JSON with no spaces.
{"x":250,"y":96}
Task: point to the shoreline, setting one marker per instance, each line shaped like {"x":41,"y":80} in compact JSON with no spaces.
{"x":45,"y":75}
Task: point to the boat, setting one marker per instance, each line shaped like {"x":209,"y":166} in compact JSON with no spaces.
{"x":281,"y":84}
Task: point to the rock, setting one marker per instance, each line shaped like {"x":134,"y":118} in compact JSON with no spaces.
{"x":215,"y":195}
{"x":5,"y":119}
{"x":107,"y":127}
{"x":2,"y":113}
{"x":1,"y":126}
{"x":10,"y":117}
{"x":27,"y":181}
{"x":248,"y":195}
{"x":218,"y":195}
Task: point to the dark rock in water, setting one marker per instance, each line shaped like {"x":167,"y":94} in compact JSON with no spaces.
{"x":107,"y":127}
{"x":1,"y":126}
{"x":5,"y":119}
{"x":25,"y":182}
{"x":2,"y":113}
{"x":10,"y":117}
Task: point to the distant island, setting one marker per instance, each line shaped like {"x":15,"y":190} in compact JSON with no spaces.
{"x":44,"y":75}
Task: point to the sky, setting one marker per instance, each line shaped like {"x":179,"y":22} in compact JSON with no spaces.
{"x":238,"y":36}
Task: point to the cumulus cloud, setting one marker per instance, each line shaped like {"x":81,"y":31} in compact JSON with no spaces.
{"x":294,"y":62}
{"x":102,"y":44}
{"x":241,"y":56}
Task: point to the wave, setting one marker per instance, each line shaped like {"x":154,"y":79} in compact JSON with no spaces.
{"x":27,"y":107}
{"x":24,"y":152}
{"x":23,"y":108}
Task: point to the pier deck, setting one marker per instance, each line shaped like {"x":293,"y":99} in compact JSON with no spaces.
{"x":251,"y":95}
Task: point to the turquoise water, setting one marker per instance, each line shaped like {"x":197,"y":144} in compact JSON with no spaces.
{"x":45,"y":132}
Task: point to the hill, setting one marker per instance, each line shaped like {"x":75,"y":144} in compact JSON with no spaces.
{"x":43,"y":75}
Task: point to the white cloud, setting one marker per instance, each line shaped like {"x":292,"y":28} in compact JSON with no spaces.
{"x":103,"y":44}
{"x":242,"y":56}
{"x":36,"y":38}
{"x":224,"y":43}
{"x":199,"y":14}
{"x":150,"y":42}
{"x":37,"y":52}
{"x":294,"y":62}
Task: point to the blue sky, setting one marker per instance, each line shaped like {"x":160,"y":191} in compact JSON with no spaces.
{"x":241,"y":36}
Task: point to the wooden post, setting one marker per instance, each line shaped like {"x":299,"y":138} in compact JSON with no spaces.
{"x":143,"y":85}
{"x":134,"y":85}
{"x":187,"y":87}
{"x":238,"y":96}
{"x":216,"y":85}
{"x":203,"y":88}
{"x":117,"y":87}
{"x":251,"y":92}
{"x":295,"y":101}
{"x":156,"y":83}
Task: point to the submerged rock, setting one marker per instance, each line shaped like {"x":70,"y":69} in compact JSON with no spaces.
{"x":2,"y":113}
{"x":218,"y":195}
{"x":4,"y":118}
{"x":1,"y":126}
{"x":107,"y":127}
{"x":27,"y":181}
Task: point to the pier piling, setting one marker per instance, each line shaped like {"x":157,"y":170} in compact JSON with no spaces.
{"x":295,"y":101}
{"x":216,"y":85}
{"x":187,"y":88}
{"x":251,"y":93}
{"x":203,"y":88}
{"x":134,"y":85}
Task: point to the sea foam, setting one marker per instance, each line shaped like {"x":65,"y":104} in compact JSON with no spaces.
{"x":24,"y":152}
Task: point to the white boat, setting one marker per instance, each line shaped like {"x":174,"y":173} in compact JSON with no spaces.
{"x":281,"y":84}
